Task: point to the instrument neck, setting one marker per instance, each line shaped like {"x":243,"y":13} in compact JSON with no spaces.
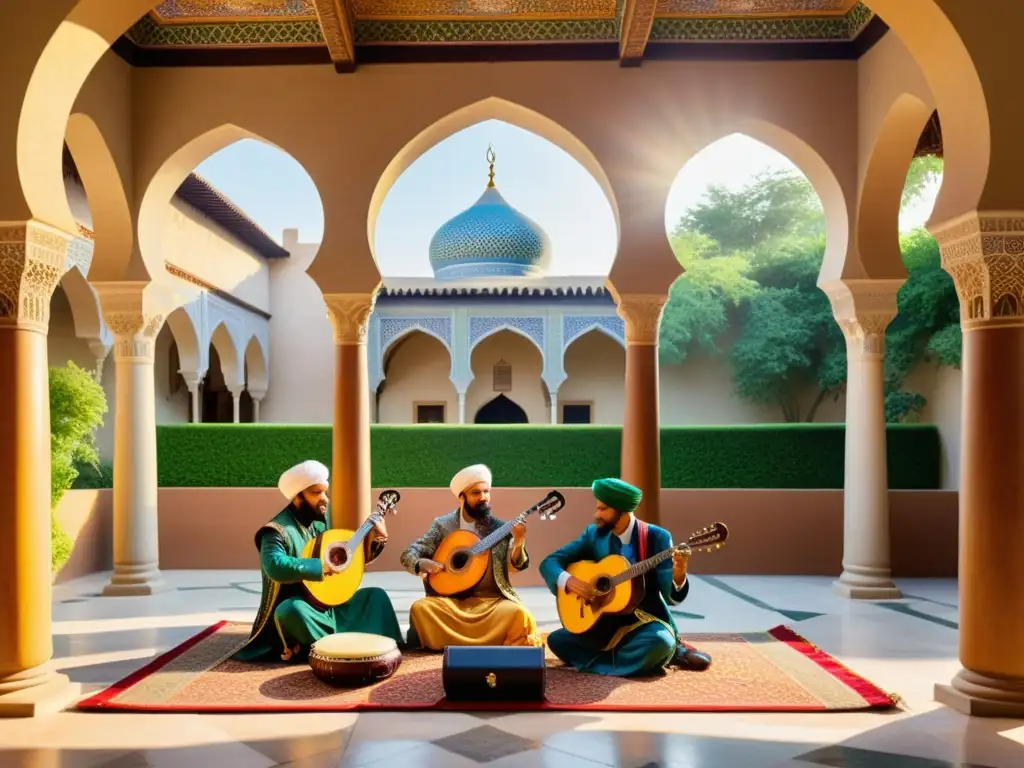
{"x":363,"y":530}
{"x":497,"y":534}
{"x":639,"y":569}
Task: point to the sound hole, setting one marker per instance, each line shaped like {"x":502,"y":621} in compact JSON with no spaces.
{"x":459,"y":560}
{"x":602,"y":585}
{"x":338,"y":556}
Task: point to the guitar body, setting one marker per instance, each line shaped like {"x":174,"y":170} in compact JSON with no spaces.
{"x":336,"y":588}
{"x":576,"y":615}
{"x":462,"y":570}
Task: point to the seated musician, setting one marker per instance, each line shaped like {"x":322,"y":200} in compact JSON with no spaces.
{"x":287,"y":623}
{"x":491,"y":614}
{"x":641,"y":642}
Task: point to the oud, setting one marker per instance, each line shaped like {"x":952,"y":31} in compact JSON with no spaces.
{"x":343,"y":549}
{"x":463,"y":555}
{"x":618,"y":586}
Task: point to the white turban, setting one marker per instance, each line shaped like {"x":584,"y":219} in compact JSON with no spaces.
{"x":478,"y":473}
{"x":300,"y":477}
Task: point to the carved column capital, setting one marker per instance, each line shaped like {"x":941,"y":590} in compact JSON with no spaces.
{"x":350,"y":315}
{"x":983,"y":252}
{"x":192,"y":379}
{"x":134,"y":329}
{"x":863,"y":309}
{"x":257,"y":394}
{"x":32,"y":260}
{"x":642,"y":314}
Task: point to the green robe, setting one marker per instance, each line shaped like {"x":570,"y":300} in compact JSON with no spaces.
{"x":286,"y":617}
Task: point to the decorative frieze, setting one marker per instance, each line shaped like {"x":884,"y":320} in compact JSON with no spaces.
{"x":574,"y":326}
{"x":391,"y":328}
{"x":482,"y":327}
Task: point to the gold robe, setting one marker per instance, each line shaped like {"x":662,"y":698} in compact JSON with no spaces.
{"x":492,"y":615}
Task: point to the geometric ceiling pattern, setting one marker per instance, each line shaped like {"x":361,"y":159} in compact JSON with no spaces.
{"x":628,"y":29}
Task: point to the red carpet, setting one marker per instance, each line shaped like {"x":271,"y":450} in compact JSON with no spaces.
{"x":773,"y":671}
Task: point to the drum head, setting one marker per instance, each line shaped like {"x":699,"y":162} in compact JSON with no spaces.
{"x":353,"y":645}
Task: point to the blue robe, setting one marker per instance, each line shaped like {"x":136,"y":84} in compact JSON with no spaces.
{"x":639,"y":643}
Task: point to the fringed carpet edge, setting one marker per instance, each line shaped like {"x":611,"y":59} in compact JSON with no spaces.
{"x":874,"y":697}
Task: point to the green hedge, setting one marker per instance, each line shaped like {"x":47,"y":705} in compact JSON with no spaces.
{"x":757,"y":456}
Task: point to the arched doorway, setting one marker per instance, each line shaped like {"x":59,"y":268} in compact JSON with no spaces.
{"x":501,"y":410}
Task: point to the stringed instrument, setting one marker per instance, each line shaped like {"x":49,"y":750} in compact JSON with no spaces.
{"x":343,"y":549}
{"x":618,"y":585}
{"x":464,"y":556}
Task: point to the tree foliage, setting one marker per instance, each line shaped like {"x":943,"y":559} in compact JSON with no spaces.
{"x":752,"y":257}
{"x":77,"y":407}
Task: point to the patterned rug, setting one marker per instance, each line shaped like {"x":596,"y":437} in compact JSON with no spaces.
{"x":773,"y":671}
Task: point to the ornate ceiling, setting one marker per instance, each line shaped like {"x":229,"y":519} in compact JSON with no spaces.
{"x":348,"y":31}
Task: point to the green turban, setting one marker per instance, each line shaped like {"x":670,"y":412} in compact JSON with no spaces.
{"x":617,"y":494}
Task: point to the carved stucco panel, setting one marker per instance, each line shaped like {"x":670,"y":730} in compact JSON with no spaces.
{"x":984,"y":254}
{"x":32,"y":261}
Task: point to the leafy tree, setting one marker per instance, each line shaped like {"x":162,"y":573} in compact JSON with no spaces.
{"x":77,"y":406}
{"x":697,"y":311}
{"x":774,"y":204}
{"x":789,"y":341}
{"x":927,"y":327}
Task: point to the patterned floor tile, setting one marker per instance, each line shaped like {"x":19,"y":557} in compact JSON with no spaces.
{"x":838,"y":756}
{"x":485,"y":743}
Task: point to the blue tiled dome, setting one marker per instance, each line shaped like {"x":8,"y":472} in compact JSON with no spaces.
{"x":489,"y":239}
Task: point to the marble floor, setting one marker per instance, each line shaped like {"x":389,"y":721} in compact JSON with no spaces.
{"x":903,"y":646}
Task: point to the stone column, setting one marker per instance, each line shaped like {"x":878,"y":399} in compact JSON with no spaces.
{"x":257,"y":395}
{"x":193,"y":380}
{"x":863,"y":309}
{"x":641,"y":432}
{"x":32,"y":259}
{"x":462,"y":407}
{"x":554,"y":407}
{"x":236,"y":402}
{"x":350,"y":473}
{"x":136,"y":540}
{"x":984,"y":253}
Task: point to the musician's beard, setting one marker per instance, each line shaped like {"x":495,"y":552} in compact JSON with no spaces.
{"x":604,"y":528}
{"x":307,"y":513}
{"x":480,"y":511}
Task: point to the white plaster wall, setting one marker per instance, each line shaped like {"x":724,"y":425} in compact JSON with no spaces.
{"x":301,"y":387}
{"x":199,"y":245}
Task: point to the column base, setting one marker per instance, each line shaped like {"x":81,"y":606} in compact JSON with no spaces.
{"x":982,"y":696}
{"x":136,"y":584}
{"x":52,"y":693}
{"x":863,"y":590}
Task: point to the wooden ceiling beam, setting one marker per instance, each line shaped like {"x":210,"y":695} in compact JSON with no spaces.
{"x":337,"y":23}
{"x":634,"y":30}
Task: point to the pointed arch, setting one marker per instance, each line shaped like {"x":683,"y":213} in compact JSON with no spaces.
{"x":414,"y":326}
{"x":257,"y":373}
{"x":812,"y":165}
{"x":85,"y":305}
{"x":186,"y":337}
{"x":172,"y":172}
{"x":881,"y":189}
{"x":113,"y":236}
{"x":491,"y":108}
{"x":227,"y":350}
{"x":934,"y":43}
{"x":507,"y":326}
{"x":70,"y":55}
{"x":597,"y":324}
